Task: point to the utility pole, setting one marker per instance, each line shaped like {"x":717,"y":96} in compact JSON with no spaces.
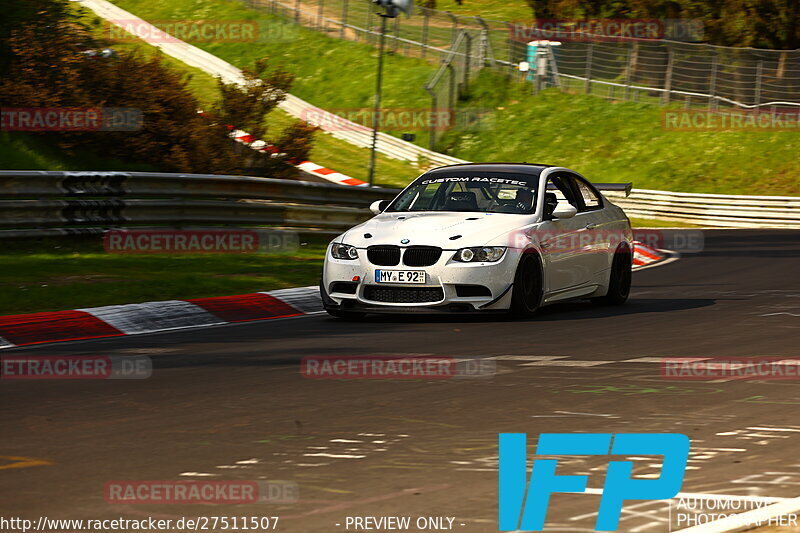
{"x":392,"y":9}
{"x":376,"y":115}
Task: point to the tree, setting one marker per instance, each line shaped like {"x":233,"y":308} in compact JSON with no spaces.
{"x":47,"y":67}
{"x":244,"y":106}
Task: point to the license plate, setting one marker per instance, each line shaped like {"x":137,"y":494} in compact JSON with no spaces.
{"x":400,"y":276}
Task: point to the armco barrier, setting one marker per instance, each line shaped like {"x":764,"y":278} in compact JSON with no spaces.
{"x":47,"y":203}
{"x":40,"y":184}
{"x":59,"y":203}
{"x":41,"y":202}
{"x":719,"y":210}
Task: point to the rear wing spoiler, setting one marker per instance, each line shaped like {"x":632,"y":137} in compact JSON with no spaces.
{"x":612,"y":187}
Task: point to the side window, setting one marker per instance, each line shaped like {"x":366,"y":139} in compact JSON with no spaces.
{"x":591,"y":200}
{"x":560,"y":189}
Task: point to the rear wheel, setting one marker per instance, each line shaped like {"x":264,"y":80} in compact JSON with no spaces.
{"x":619,"y":285}
{"x":527,"y":293}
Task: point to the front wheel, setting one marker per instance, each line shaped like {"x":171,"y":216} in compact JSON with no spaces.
{"x":619,"y":285}
{"x":527,"y":293}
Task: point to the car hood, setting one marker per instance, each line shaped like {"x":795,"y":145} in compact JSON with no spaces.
{"x":434,"y":229}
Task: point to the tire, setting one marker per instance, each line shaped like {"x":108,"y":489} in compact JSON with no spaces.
{"x":619,"y":285}
{"x":527,"y":293}
{"x":346,"y":315}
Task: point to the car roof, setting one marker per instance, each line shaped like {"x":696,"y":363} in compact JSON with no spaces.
{"x":512,"y":168}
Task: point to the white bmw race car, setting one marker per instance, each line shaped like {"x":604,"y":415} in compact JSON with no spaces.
{"x":482,"y":237}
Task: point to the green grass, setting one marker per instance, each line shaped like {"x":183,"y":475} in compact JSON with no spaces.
{"x":20,"y":151}
{"x":55,"y":274}
{"x":332,"y":73}
{"x":326,"y":149}
{"x":26,"y":151}
{"x":650,"y":223}
{"x":625,"y":141}
{"x":501,"y":10}
{"x":604,"y":140}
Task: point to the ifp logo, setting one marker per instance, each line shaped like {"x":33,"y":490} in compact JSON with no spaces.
{"x":521,"y":509}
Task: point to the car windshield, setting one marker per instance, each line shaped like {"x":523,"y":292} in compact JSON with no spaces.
{"x":487,"y":193}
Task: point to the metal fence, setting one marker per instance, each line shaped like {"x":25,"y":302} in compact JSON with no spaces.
{"x":653,"y":70}
{"x":450,"y":83}
{"x":694,"y":74}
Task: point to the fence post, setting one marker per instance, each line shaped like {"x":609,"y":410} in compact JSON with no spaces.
{"x":297,"y":11}
{"x":452,"y":96}
{"x":320,"y":9}
{"x":467,"y":65}
{"x":587,"y":86}
{"x":668,"y":80}
{"x":483,"y":43}
{"x":454,"y":30}
{"x":628,"y":74}
{"x":344,"y":19}
{"x":369,"y":37}
{"x":432,"y":133}
{"x":511,"y":43}
{"x":425,"y":22}
{"x":712,"y":86}
{"x":759,"y":70}
{"x":396,"y":40}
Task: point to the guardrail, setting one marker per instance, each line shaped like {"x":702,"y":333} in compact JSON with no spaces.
{"x":718,"y":210}
{"x":38,"y":184}
{"x":55,"y":203}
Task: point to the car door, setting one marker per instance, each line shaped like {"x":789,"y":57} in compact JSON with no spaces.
{"x":563,"y":240}
{"x":595,"y":234}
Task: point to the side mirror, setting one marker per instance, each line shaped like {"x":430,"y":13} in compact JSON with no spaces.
{"x":379,"y":206}
{"x":565,"y":211}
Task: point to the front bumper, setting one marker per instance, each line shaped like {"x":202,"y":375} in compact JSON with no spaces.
{"x":444,"y":280}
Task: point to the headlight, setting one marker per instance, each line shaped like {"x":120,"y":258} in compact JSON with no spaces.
{"x":488,"y":254}
{"x":344,"y":251}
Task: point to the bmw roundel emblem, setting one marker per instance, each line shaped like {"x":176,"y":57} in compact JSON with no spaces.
{"x":404,"y":241}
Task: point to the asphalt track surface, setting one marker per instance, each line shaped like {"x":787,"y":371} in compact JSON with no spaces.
{"x":230,"y":401}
